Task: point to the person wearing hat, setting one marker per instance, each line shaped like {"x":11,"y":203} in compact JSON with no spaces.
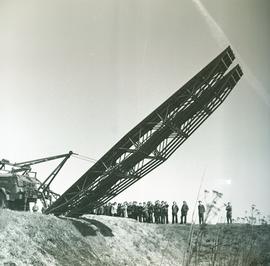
{"x":201,"y":211}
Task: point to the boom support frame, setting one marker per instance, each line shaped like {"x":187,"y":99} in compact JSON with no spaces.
{"x":153,"y":140}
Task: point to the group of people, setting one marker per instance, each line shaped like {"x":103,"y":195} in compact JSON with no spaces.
{"x":157,"y":212}
{"x":146,"y":212}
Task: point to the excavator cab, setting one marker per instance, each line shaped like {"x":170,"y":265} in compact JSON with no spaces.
{"x":19,"y":185}
{"x":17,"y":191}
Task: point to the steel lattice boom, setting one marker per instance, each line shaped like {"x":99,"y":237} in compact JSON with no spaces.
{"x":153,"y":140}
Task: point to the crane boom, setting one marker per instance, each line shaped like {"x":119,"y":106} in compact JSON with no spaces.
{"x":153,"y":140}
{"x":42,"y":160}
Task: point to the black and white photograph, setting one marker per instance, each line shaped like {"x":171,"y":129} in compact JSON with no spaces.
{"x":135,"y":133}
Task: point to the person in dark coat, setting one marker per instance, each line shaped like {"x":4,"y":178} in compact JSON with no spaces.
{"x":162,"y":212}
{"x":157,"y":212}
{"x":166,"y":207}
{"x":229,"y":213}
{"x":145,"y":212}
{"x":201,"y":211}
{"x":175,"y":210}
{"x":119,"y":210}
{"x":129,"y":210}
{"x":134,"y":210}
{"x":108,"y":209}
{"x":150,"y":211}
{"x":140,"y":212}
{"x":184,"y":211}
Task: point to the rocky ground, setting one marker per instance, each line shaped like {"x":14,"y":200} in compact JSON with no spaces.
{"x":37,"y":239}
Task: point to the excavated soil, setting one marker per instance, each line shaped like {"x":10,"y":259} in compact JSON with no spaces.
{"x":37,"y":239}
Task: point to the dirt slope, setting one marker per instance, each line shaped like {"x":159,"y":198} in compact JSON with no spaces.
{"x":36,"y":239}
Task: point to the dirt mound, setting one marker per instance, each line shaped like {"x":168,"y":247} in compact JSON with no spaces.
{"x":36,"y":239}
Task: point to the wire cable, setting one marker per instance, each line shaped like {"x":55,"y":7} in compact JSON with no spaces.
{"x":84,"y":158}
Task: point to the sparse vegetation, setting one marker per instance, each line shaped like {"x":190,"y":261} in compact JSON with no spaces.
{"x":223,"y":244}
{"x":36,"y":239}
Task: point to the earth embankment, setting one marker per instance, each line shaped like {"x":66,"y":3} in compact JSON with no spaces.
{"x":37,"y":239}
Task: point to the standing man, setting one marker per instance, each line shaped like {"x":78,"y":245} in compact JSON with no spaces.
{"x":157,"y":212}
{"x":114,"y":209}
{"x":145,"y":212}
{"x":162,"y":212}
{"x":201,"y":211}
{"x":129,"y":210}
{"x":150,"y":211}
{"x":135,"y":210}
{"x":229,"y":213}
{"x":140,"y":212}
{"x":175,"y":210}
{"x":125,"y":209}
{"x":184,"y":211}
{"x":166,"y":206}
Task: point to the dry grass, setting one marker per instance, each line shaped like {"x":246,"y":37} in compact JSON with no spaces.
{"x":230,"y":245}
{"x":36,"y":239}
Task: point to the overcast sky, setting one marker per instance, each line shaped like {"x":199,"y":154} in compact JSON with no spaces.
{"x":78,"y":75}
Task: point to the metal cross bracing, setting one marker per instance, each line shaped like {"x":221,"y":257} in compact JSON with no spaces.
{"x":153,"y":140}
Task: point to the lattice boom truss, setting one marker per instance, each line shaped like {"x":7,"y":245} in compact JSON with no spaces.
{"x":153,"y":140}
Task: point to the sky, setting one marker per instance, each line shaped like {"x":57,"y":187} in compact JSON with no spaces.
{"x":78,"y":75}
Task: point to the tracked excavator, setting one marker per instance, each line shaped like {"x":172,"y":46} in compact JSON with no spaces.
{"x":19,"y":185}
{"x":141,"y":150}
